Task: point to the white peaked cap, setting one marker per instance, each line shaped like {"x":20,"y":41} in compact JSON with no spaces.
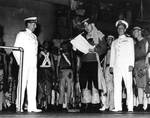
{"x":33,"y":19}
{"x":122,"y":22}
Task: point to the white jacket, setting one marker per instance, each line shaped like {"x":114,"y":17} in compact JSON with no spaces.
{"x":28,"y":41}
{"x":122,"y":52}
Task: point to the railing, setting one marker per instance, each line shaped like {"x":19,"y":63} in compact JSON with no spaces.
{"x":20,"y":70}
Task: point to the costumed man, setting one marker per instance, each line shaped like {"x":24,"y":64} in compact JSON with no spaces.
{"x":46,"y":76}
{"x":3,"y":73}
{"x":109,"y":77}
{"x":65,"y":75}
{"x":28,"y":41}
{"x":13,"y":70}
{"x":55,"y":88}
{"x":147,"y":88}
{"x":141,"y":65}
{"x":121,"y":64}
{"x":90,"y":74}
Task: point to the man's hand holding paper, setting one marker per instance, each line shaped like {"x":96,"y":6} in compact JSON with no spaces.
{"x":82,"y":44}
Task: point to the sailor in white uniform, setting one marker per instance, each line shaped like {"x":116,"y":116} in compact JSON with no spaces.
{"x":122,"y":63}
{"x":28,"y":41}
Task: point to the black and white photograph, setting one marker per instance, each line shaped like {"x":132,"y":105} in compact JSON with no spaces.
{"x":74,"y":58}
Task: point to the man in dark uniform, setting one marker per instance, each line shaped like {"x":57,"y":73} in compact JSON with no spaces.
{"x":65,"y":75}
{"x":46,"y":75}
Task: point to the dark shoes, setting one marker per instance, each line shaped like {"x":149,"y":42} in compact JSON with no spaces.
{"x":140,"y":108}
{"x":135,"y":108}
{"x":148,"y":108}
{"x":89,"y":108}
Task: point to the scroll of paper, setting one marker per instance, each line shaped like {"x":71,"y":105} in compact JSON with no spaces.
{"x":81,"y":44}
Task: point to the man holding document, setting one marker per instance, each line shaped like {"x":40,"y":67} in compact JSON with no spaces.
{"x":90,"y":74}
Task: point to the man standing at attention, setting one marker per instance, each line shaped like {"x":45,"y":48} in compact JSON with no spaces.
{"x":28,"y":41}
{"x":122,"y":63}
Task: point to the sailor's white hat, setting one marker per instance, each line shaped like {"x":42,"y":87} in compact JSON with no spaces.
{"x":137,"y":28}
{"x":110,"y":36}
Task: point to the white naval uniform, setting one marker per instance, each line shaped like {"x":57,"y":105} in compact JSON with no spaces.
{"x":28,"y":41}
{"x":122,"y":56}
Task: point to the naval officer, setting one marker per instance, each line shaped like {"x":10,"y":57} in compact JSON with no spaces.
{"x":122,"y":63}
{"x":28,"y":41}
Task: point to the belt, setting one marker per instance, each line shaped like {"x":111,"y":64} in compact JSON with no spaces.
{"x":65,"y":68}
{"x":140,"y":58}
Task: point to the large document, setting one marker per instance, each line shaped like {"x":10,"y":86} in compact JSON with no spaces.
{"x":81,"y":44}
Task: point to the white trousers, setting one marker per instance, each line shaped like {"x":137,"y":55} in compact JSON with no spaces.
{"x":119,"y":74}
{"x":29,"y":81}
